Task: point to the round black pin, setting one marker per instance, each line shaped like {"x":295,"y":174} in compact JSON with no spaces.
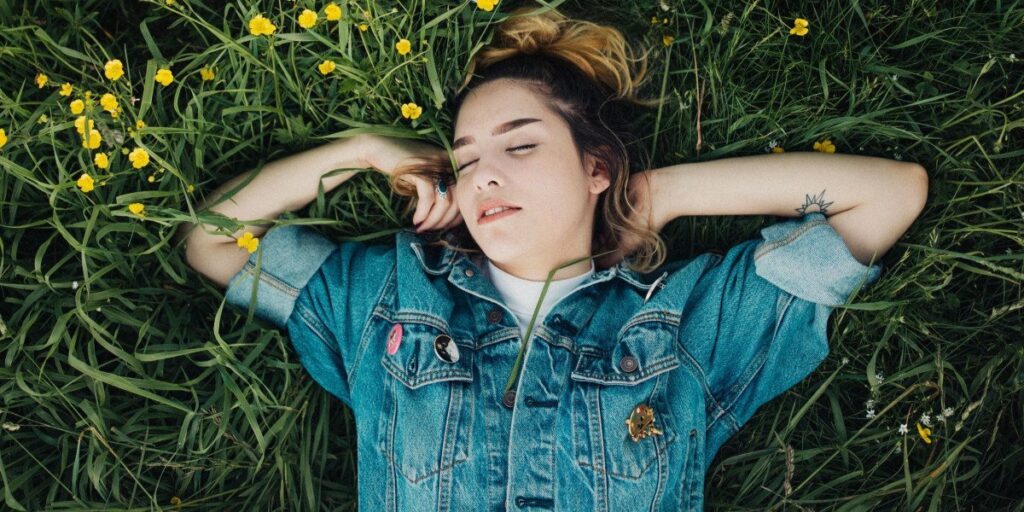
{"x":446,"y":349}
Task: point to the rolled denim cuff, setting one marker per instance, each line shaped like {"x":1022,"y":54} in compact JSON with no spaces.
{"x":807,"y":258}
{"x":290,"y":256}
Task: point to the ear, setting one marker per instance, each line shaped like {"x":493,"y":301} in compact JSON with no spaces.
{"x":597,"y":170}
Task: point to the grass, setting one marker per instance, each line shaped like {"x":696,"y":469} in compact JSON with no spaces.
{"x":128,"y":385}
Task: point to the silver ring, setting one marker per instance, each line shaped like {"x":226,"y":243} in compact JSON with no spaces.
{"x":441,"y":187}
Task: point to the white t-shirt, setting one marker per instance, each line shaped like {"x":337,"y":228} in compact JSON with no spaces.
{"x":520,"y":295}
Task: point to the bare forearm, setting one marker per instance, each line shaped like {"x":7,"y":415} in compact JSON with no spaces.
{"x":785,"y":185}
{"x":870,"y":201}
{"x":286,"y":184}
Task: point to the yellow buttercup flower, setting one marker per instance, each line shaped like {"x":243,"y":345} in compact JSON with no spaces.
{"x":85,"y":182}
{"x":332,"y":12}
{"x":363,"y":27}
{"x":326,"y":67}
{"x":77,"y":107}
{"x":137,"y":209}
{"x":101,"y":160}
{"x":825,"y":146}
{"x":654,"y":20}
{"x":307,"y":19}
{"x":260,"y":26}
{"x":150,"y":178}
{"x":411,"y":110}
{"x":778,"y":149}
{"x":139,"y":158}
{"x":3,"y":137}
{"x":799,"y":27}
{"x":190,"y":188}
{"x":925,"y":433}
{"x":403,"y":46}
{"x":164,"y":76}
{"x":206,"y":74}
{"x":80,"y":125}
{"x":41,"y":80}
{"x":113,"y":69}
{"x":486,"y":5}
{"x":65,"y":89}
{"x":249,"y":242}
{"x":140,"y":124}
{"x":108,"y":102}
{"x":93,"y":141}
{"x":667,"y":40}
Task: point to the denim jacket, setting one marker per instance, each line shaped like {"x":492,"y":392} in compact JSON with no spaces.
{"x":699,"y":343}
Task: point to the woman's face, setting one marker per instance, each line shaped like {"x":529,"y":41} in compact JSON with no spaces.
{"x":557,"y":193}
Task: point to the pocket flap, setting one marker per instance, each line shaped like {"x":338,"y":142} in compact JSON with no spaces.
{"x":650,"y":345}
{"x":416,"y":363}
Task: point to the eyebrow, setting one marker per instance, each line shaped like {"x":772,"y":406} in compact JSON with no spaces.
{"x":498,"y":130}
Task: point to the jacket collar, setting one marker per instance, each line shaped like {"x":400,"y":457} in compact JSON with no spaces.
{"x":443,"y":260}
{"x":424,"y":297}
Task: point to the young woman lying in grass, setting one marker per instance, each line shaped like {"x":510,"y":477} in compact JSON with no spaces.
{"x":528,"y":346}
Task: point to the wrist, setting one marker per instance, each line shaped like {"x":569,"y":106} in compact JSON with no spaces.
{"x":357,"y":151}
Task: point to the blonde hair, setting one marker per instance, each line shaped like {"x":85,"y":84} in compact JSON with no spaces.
{"x":582,"y":71}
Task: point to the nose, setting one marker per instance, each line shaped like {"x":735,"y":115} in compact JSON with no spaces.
{"x":485,"y":174}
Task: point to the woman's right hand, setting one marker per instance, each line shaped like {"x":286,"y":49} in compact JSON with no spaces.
{"x":386,"y":154}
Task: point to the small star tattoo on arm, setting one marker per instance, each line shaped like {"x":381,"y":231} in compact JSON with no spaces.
{"x":814,"y":203}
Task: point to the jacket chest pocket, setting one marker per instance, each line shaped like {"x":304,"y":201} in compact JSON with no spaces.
{"x":622,"y":423}
{"x":426,"y":411}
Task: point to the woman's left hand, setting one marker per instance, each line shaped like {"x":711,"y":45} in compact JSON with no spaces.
{"x":641,"y":190}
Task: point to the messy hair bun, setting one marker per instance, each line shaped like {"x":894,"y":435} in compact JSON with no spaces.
{"x":599,"y":52}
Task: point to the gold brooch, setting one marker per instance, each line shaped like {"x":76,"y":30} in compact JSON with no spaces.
{"x":641,"y":423}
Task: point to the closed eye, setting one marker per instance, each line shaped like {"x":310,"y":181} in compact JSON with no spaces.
{"x":517,"y":148}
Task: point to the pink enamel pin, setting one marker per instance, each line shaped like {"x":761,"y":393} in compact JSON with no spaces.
{"x":394,"y":339}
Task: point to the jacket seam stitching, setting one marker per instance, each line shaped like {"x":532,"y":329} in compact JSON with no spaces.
{"x":770,"y":245}
{"x":271,"y":280}
{"x":363,"y":341}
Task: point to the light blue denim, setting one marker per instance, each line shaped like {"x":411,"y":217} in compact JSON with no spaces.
{"x":718,"y":336}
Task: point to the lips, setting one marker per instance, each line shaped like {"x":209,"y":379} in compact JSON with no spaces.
{"x":498,"y":216}
{"x":490,"y":204}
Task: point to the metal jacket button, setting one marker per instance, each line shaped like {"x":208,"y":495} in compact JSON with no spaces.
{"x":509,"y":398}
{"x":494,"y":316}
{"x":628,"y":364}
{"x":469,"y":272}
{"x":446,"y":349}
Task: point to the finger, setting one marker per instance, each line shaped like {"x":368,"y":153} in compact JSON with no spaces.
{"x":450,"y":214}
{"x":456,"y":221}
{"x":448,"y":217}
{"x":425,"y":193}
{"x":440,"y":207}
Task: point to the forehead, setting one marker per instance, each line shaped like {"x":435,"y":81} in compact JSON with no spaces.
{"x":496,"y":102}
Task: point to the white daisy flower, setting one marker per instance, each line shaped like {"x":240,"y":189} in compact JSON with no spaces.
{"x":871,"y":414}
{"x":926,"y":419}
{"x":903,"y":429}
{"x":74,"y":285}
{"x":947,"y":412}
{"x":879,"y":377}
